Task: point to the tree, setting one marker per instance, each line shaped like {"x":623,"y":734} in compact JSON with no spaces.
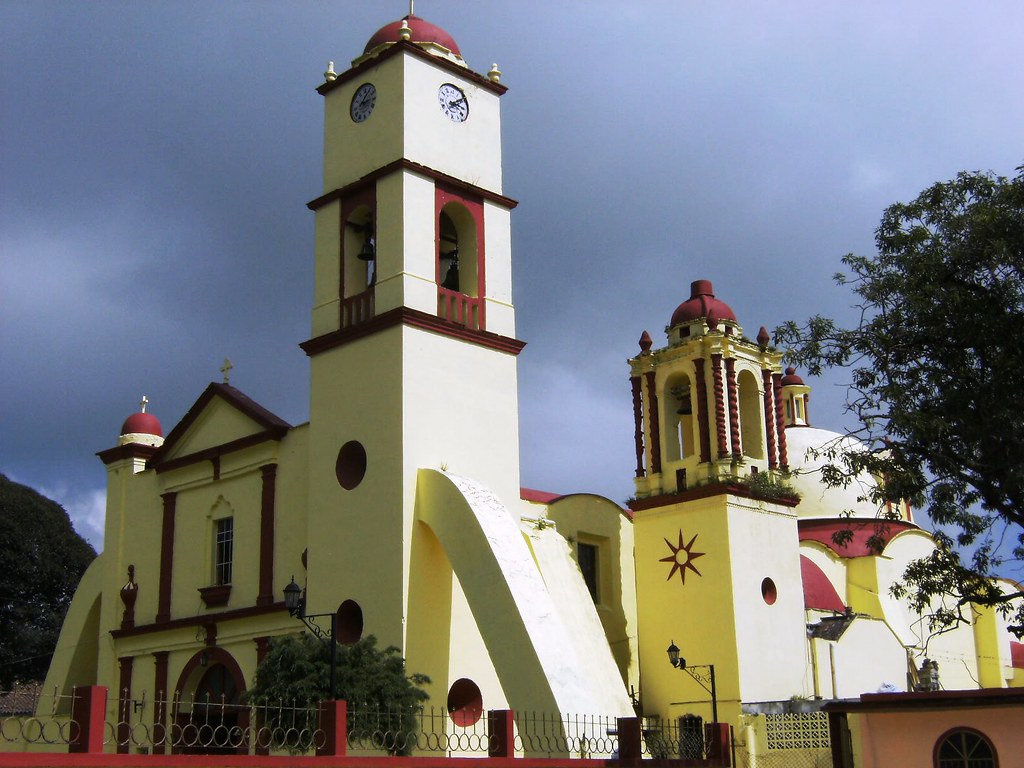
{"x":937,"y":387}
{"x":42,"y":560}
{"x":384,"y":702}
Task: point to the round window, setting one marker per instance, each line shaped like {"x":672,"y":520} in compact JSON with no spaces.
{"x":465,"y":703}
{"x":351,"y":464}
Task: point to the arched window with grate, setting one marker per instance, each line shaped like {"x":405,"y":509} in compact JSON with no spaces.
{"x":964,"y":748}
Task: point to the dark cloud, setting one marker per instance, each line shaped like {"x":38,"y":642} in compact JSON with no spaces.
{"x":156,"y":160}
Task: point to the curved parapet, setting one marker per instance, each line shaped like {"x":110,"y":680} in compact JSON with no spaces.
{"x":526,"y":638}
{"x":75,"y":658}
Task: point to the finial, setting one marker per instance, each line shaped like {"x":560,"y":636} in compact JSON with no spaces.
{"x":143,"y":402}
{"x":763,"y":338}
{"x":405,"y":33}
{"x":712,"y":320}
{"x":226,"y":369}
{"x":645,"y":342}
{"x":330,"y":75}
{"x":495,"y":74}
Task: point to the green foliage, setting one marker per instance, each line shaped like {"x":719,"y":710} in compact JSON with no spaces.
{"x":769,"y":486}
{"x":937,"y":383}
{"x":42,"y":560}
{"x":383,"y":701}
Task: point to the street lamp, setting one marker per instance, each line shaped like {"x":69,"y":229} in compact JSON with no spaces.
{"x":679,"y":662}
{"x":295,"y":602}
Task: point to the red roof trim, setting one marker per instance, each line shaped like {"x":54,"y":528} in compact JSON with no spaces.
{"x":822,"y":531}
{"x":541,"y":497}
{"x":985,"y":697}
{"x":1016,"y":654}
{"x":274,"y":427}
{"x":819,"y":593}
{"x":412,"y":318}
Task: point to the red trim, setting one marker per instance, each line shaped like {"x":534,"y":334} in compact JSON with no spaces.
{"x":702,"y":409}
{"x":216,"y":655}
{"x":213,"y":455}
{"x":160,"y":697}
{"x":703,"y":492}
{"x":423,"y":170}
{"x":542,"y":497}
{"x":163,"y":611}
{"x":274,"y":427}
{"x":769,"y":417}
{"x":215,"y":595}
{"x":269,"y":478}
{"x":124,"y":703}
{"x":129,"y":451}
{"x":638,"y":424}
{"x":262,"y":647}
{"x":88,"y":709}
{"x":414,"y":50}
{"x":412,"y":318}
{"x":862,"y":529}
{"x":984,"y":697}
{"x":443,"y":195}
{"x":1016,"y":654}
{"x":202,"y":619}
{"x":716,"y":375}
{"x":652,"y":415}
{"x":734,"y":411}
{"x":818,"y":590}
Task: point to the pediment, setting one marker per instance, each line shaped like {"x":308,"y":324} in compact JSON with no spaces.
{"x":222,"y":420}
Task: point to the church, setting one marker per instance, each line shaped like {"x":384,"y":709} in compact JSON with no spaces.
{"x":398,"y":506}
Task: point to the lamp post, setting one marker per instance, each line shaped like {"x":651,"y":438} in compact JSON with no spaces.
{"x":295,"y":602}
{"x":679,"y":662}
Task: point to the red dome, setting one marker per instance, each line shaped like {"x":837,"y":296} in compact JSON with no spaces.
{"x":422,"y":32}
{"x":791,"y":378}
{"x":702,"y":300}
{"x":142,"y":424}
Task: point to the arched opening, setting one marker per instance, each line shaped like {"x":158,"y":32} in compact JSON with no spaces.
{"x":751,"y":415}
{"x":677,"y":418}
{"x":457,"y":250}
{"x":964,"y":748}
{"x":208,"y":715}
{"x":359,"y":246}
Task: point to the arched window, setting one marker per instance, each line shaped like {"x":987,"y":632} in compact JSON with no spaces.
{"x":360,"y":248}
{"x":457,"y":251}
{"x":751,"y":415}
{"x":964,"y":748}
{"x":677,"y":418}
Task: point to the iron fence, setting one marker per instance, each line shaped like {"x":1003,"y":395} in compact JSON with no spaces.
{"x":29,"y":716}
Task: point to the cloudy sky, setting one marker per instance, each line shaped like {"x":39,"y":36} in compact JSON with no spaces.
{"x":156,"y":158}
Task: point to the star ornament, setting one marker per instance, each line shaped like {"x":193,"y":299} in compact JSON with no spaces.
{"x":682,"y":558}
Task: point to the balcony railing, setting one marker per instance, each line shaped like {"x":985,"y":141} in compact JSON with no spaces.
{"x":459,"y":308}
{"x":357,"y":309}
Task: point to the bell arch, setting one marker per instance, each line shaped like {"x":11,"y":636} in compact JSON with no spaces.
{"x":677,"y":417}
{"x":751,"y":415}
{"x":459,"y":257}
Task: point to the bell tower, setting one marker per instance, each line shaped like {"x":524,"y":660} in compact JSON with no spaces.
{"x":715,"y":532}
{"x":413,"y":349}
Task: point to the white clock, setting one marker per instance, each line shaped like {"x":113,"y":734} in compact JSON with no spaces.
{"x":363,"y":102}
{"x":453,"y":102}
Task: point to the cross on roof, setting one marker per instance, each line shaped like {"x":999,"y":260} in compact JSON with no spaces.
{"x":143,"y":402}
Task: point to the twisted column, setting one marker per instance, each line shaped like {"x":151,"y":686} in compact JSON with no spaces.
{"x":652,"y":399}
{"x":769,"y":417}
{"x":716,"y":375}
{"x":638,"y":422}
{"x":702,"y":410}
{"x":734,"y":410}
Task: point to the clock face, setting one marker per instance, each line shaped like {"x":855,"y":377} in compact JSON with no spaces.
{"x":453,"y":102}
{"x":363,"y":102}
